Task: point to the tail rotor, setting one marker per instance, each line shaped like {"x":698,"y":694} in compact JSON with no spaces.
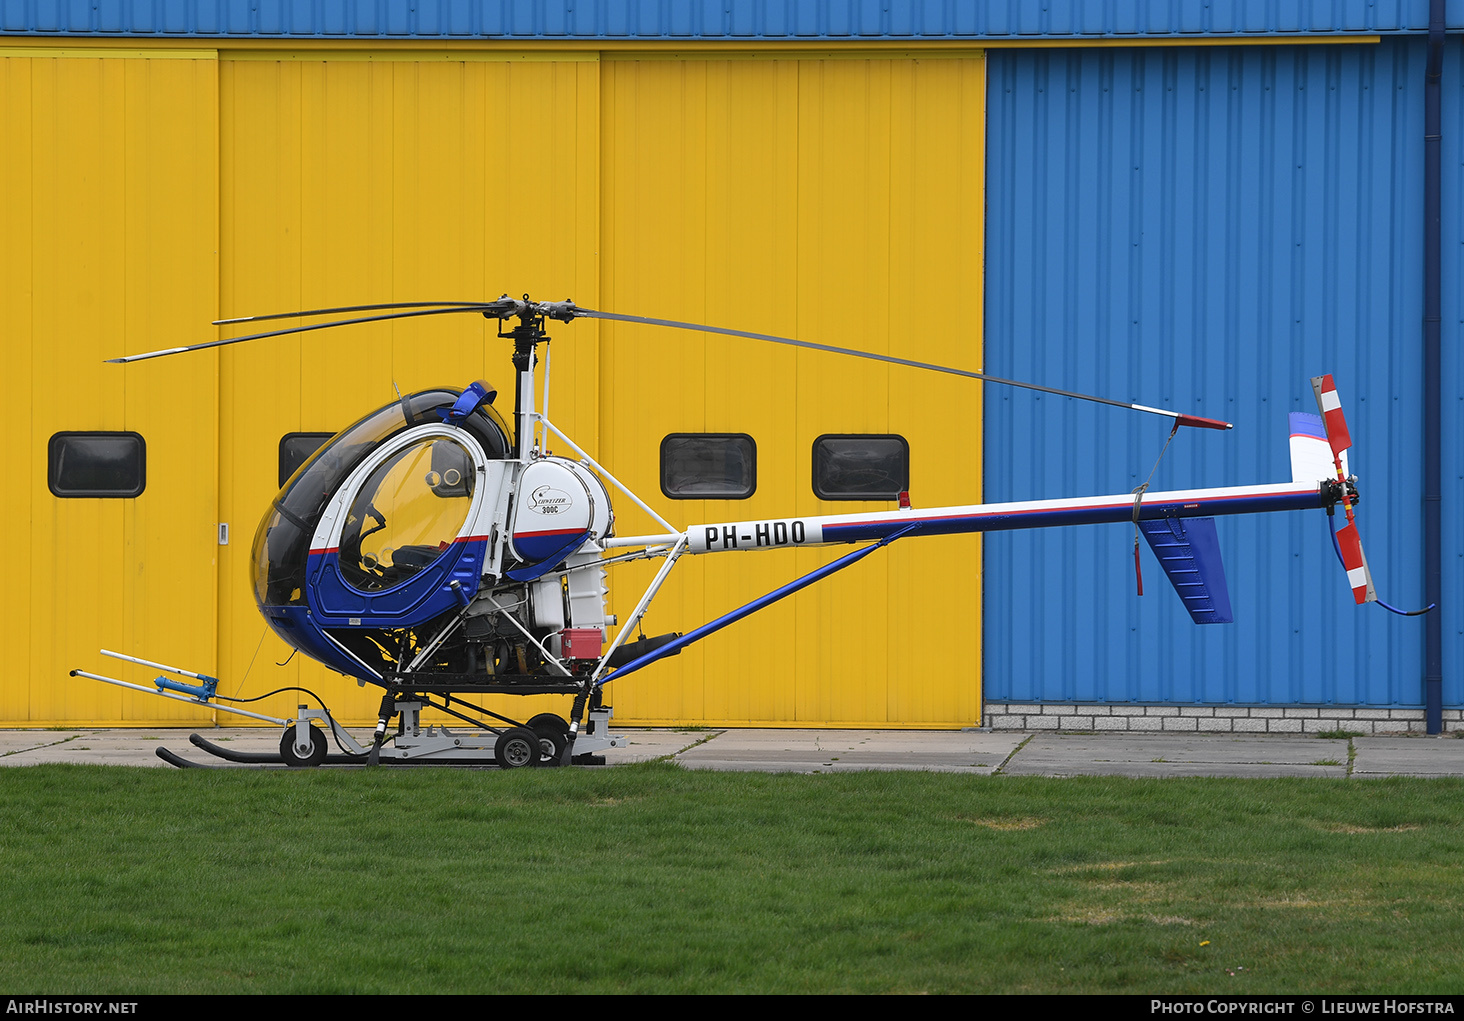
{"x":1346,"y":541}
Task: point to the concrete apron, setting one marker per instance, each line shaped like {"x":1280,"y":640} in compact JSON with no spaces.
{"x":825,"y":751}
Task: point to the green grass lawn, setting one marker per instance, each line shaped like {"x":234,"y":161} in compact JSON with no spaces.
{"x":657,"y":879}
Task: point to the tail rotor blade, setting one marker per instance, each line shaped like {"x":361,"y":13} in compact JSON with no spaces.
{"x":1349,"y":545}
{"x":1331,"y":408}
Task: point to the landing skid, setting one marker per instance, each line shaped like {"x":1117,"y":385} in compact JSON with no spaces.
{"x":303,"y":744}
{"x":201,"y":742}
{"x":174,"y":759}
{"x":545,"y":740}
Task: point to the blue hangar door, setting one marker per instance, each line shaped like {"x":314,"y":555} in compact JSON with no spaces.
{"x":1204,"y":228}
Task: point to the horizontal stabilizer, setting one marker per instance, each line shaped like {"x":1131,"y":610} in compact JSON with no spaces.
{"x":1311,"y":454}
{"x":1189,"y":551}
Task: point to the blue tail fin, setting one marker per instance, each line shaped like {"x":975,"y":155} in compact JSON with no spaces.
{"x":1189,"y":551}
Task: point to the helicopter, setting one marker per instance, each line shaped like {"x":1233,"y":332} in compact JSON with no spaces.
{"x":435,"y":549}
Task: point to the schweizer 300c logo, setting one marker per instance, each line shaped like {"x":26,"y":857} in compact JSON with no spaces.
{"x":548,"y":500}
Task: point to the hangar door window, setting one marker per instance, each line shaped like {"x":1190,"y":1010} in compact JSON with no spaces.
{"x":295,"y":450}
{"x":97,"y":464}
{"x":708,"y":466}
{"x":860,"y":466}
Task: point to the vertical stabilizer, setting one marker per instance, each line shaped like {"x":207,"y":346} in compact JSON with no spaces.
{"x":1311,"y":454}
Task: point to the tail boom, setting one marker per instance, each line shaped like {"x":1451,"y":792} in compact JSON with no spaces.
{"x":831,"y":529}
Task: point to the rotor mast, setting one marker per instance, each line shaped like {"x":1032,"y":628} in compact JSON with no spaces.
{"x":526,"y":336}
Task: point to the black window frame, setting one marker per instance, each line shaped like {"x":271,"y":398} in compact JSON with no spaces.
{"x":818,"y":490}
{"x":752,"y":463}
{"x":280,"y":457}
{"x":59,"y":439}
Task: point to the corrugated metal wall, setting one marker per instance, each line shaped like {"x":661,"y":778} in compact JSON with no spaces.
{"x":713,"y":19}
{"x":1452,"y":329}
{"x":1203,"y":229}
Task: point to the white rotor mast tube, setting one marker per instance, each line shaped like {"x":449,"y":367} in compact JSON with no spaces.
{"x":542,"y":415}
{"x":526,"y":413}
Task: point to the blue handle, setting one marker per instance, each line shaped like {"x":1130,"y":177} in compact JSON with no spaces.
{"x":203,"y":692}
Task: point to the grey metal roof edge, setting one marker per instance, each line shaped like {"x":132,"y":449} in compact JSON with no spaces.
{"x":673,"y":41}
{"x":740,"y":22}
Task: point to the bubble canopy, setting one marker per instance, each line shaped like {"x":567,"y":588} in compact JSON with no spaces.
{"x":282,"y":543}
{"x":406,"y":514}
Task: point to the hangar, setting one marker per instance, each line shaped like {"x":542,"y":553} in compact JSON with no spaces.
{"x":1191,"y":206}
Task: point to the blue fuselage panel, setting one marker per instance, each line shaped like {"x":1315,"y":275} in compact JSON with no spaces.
{"x":336,"y":603}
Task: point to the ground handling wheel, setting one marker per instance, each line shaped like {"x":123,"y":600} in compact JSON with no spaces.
{"x":549,"y":720}
{"x":517,"y":747}
{"x":317,"y":746}
{"x":553,"y":735}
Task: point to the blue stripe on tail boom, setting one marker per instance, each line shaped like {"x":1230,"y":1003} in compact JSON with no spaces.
{"x":994,"y":521}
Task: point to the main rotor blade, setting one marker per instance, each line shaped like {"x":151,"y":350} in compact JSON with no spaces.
{"x":342,"y":308}
{"x":484,"y":307}
{"x":1189,"y":420}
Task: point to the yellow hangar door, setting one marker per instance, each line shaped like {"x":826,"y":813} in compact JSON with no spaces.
{"x":108,"y":244}
{"x":359,"y":176}
{"x":833,"y":198}
{"x":837,"y":200}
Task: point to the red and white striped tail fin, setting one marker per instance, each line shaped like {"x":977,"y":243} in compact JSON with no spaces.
{"x":1331,"y":408}
{"x":1353,"y":559}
